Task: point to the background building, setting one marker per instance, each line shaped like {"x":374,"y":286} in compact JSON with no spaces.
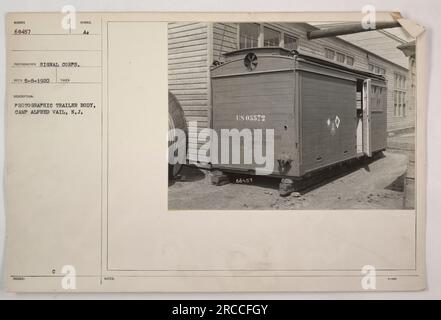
{"x":194,"y":47}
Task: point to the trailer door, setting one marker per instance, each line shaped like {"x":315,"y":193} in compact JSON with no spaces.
{"x":367,"y":144}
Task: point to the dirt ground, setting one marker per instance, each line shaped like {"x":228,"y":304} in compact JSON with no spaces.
{"x":374,"y":185}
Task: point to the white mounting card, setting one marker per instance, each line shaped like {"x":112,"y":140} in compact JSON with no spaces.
{"x":87,"y":173}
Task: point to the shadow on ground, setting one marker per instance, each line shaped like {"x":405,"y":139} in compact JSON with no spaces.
{"x":365,"y":184}
{"x":192,"y":173}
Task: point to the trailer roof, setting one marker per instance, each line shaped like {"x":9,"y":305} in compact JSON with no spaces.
{"x":285,"y":52}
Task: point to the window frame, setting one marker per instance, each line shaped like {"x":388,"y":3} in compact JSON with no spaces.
{"x":378,"y":69}
{"x":400,"y":92}
{"x":340,"y":54}
{"x":259,"y":29}
{"x":261,"y":35}
{"x":336,"y":53}
{"x":327,"y":50}
{"x":296,"y":40}
{"x":273,"y":30}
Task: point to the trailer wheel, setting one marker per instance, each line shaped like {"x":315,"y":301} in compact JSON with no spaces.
{"x":176,"y":120}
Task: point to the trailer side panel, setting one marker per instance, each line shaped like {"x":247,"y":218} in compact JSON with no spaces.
{"x":328,"y":120}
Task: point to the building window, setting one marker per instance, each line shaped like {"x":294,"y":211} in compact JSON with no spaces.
{"x":400,"y":81}
{"x":289,"y":42}
{"x":271,"y":38}
{"x":340,"y":57}
{"x":376,"y":69}
{"x":249,"y":35}
{"x":253,"y":35}
{"x":330,"y":54}
{"x":399,"y":95}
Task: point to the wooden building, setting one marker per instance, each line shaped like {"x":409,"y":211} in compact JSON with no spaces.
{"x":194,"y":47}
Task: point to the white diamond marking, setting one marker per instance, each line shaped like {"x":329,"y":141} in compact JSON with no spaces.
{"x":337,"y":121}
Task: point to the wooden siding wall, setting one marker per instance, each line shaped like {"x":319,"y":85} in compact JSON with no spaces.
{"x":188,"y":73}
{"x":411,"y":91}
{"x":396,"y":122}
{"x":194,"y":46}
{"x":225,"y":39}
{"x":362,"y":61}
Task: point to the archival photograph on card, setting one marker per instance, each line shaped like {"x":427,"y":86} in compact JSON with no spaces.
{"x":292,"y":156}
{"x":291,"y":116}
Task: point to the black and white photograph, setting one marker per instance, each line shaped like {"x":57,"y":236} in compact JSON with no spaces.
{"x":220,"y":153}
{"x":291,"y":116}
